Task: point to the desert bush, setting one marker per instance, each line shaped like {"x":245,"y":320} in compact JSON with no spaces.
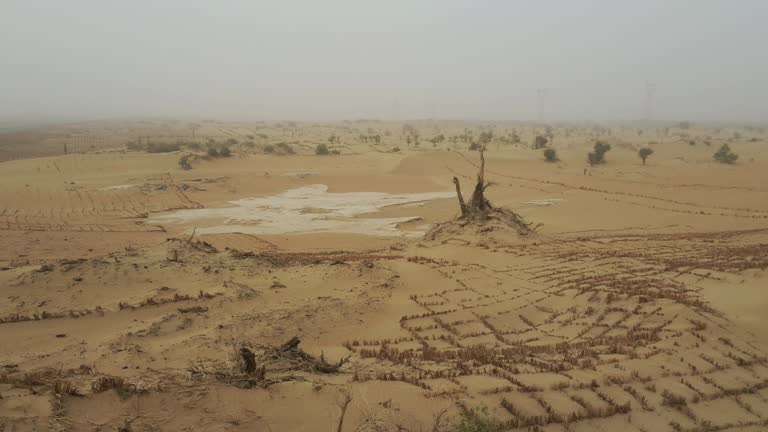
{"x":725,"y":155}
{"x":185,"y":161}
{"x":213,"y":152}
{"x":644,"y":153}
{"x":598,"y":155}
{"x":335,"y":152}
{"x":550,"y":155}
{"x":539,"y":142}
{"x":225,"y":152}
{"x":321,"y":149}
{"x":249,"y":144}
{"x":269,"y":148}
{"x":474,"y":146}
{"x":193,"y":145}
{"x":232,"y":141}
{"x":395,"y":149}
{"x":163,"y":147}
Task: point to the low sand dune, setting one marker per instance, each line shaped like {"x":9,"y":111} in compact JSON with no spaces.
{"x":133,"y":287}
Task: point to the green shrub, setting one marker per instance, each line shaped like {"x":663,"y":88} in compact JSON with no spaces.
{"x":477,"y":420}
{"x":550,"y":155}
{"x":321,"y":149}
{"x":725,"y":155}
{"x":185,"y":161}
{"x":539,"y":142}
{"x":598,"y":155}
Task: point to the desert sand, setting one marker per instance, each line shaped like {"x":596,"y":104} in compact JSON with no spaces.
{"x":142,"y":295}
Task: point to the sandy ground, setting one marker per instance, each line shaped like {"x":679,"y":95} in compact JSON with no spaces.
{"x":638,"y":305}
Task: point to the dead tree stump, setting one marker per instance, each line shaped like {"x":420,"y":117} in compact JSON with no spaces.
{"x":479,"y":210}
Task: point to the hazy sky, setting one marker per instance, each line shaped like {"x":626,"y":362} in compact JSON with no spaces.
{"x":339,"y":59}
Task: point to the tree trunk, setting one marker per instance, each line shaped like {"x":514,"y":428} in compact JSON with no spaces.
{"x":478,"y":204}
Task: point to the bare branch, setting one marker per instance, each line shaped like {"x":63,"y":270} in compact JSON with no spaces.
{"x":462,"y":205}
{"x":343,"y":404}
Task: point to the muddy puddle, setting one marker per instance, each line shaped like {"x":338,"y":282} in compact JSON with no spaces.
{"x":308,"y":209}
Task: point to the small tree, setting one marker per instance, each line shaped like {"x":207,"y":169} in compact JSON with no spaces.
{"x":485,"y":137}
{"x":321,"y":149}
{"x":725,"y":155}
{"x":539,"y":142}
{"x":550,"y":155}
{"x":598,"y":155}
{"x":644,"y":153}
{"x":437,"y":139}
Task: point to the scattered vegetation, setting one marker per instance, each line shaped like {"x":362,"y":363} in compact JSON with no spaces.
{"x":437,"y":139}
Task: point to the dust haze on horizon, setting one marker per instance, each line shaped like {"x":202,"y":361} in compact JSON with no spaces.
{"x":338,"y":59}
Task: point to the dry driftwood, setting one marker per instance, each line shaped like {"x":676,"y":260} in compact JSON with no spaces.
{"x":264,"y":365}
